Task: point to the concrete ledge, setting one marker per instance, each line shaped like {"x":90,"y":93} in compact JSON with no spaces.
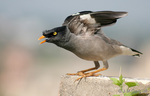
{"x":95,"y":86}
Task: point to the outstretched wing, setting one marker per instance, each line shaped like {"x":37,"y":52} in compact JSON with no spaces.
{"x":89,"y":22}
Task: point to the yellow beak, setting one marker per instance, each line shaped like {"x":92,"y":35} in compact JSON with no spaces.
{"x":42,"y":38}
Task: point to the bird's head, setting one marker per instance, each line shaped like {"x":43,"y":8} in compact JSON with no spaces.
{"x":54,"y":35}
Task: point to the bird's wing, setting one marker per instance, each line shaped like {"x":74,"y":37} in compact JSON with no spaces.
{"x":89,"y":22}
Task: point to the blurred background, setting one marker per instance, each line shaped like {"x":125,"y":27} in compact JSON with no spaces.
{"x":30,"y":69}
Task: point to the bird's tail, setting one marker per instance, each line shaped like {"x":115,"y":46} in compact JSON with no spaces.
{"x":136,"y":53}
{"x":130,"y":51}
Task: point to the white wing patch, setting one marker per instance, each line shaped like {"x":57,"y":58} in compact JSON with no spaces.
{"x":88,"y":17}
{"x":75,"y":14}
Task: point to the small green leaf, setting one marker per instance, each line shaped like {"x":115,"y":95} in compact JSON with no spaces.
{"x":131,"y":84}
{"x":135,"y":92}
{"x":121,"y":80}
{"x":132,"y":93}
{"x":115,"y":81}
{"x":116,"y":95}
{"x":127,"y":94}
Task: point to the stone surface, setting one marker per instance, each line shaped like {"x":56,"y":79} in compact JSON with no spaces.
{"x":96,"y":86}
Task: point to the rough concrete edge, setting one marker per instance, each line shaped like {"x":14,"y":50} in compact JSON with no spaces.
{"x":129,"y":79}
{"x":144,"y":81}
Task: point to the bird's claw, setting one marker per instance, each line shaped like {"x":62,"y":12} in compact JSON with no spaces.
{"x":83,"y":75}
{"x":87,"y":75}
{"x":80,"y":73}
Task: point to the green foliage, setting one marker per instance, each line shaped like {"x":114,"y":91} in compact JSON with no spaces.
{"x":132,"y":93}
{"x":116,"y":95}
{"x":126,"y":92}
{"x":131,"y":84}
{"x":118,"y":82}
{"x":115,"y":81}
{"x":121,"y":80}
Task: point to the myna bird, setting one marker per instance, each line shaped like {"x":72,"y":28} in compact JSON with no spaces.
{"x":81,"y":34}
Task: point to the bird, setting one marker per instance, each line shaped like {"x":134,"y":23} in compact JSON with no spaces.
{"x":81,"y":33}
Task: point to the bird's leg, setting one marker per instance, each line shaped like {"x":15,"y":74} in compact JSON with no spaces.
{"x":93,"y":73}
{"x":105,"y":63}
{"x":82,"y":72}
{"x":97,"y":65}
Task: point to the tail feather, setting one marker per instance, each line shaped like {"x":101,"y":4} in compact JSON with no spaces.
{"x":130,"y":51}
{"x":137,"y":53}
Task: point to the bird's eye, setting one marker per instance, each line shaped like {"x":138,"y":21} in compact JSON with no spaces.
{"x":54,"y":33}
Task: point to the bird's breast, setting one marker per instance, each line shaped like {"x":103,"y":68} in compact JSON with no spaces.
{"x":90,"y":48}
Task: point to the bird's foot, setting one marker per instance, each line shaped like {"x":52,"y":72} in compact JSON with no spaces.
{"x":80,"y":73}
{"x":87,"y":75}
{"x":83,"y":75}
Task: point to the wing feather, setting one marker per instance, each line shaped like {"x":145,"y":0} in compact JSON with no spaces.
{"x":90,"y":22}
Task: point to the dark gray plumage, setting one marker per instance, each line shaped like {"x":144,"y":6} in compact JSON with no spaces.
{"x":81,"y":34}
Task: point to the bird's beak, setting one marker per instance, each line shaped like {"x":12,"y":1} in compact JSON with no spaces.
{"x":42,"y":38}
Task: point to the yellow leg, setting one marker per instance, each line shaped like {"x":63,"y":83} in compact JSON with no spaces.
{"x":105,"y":63}
{"x":91,"y":73}
{"x":82,"y":72}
